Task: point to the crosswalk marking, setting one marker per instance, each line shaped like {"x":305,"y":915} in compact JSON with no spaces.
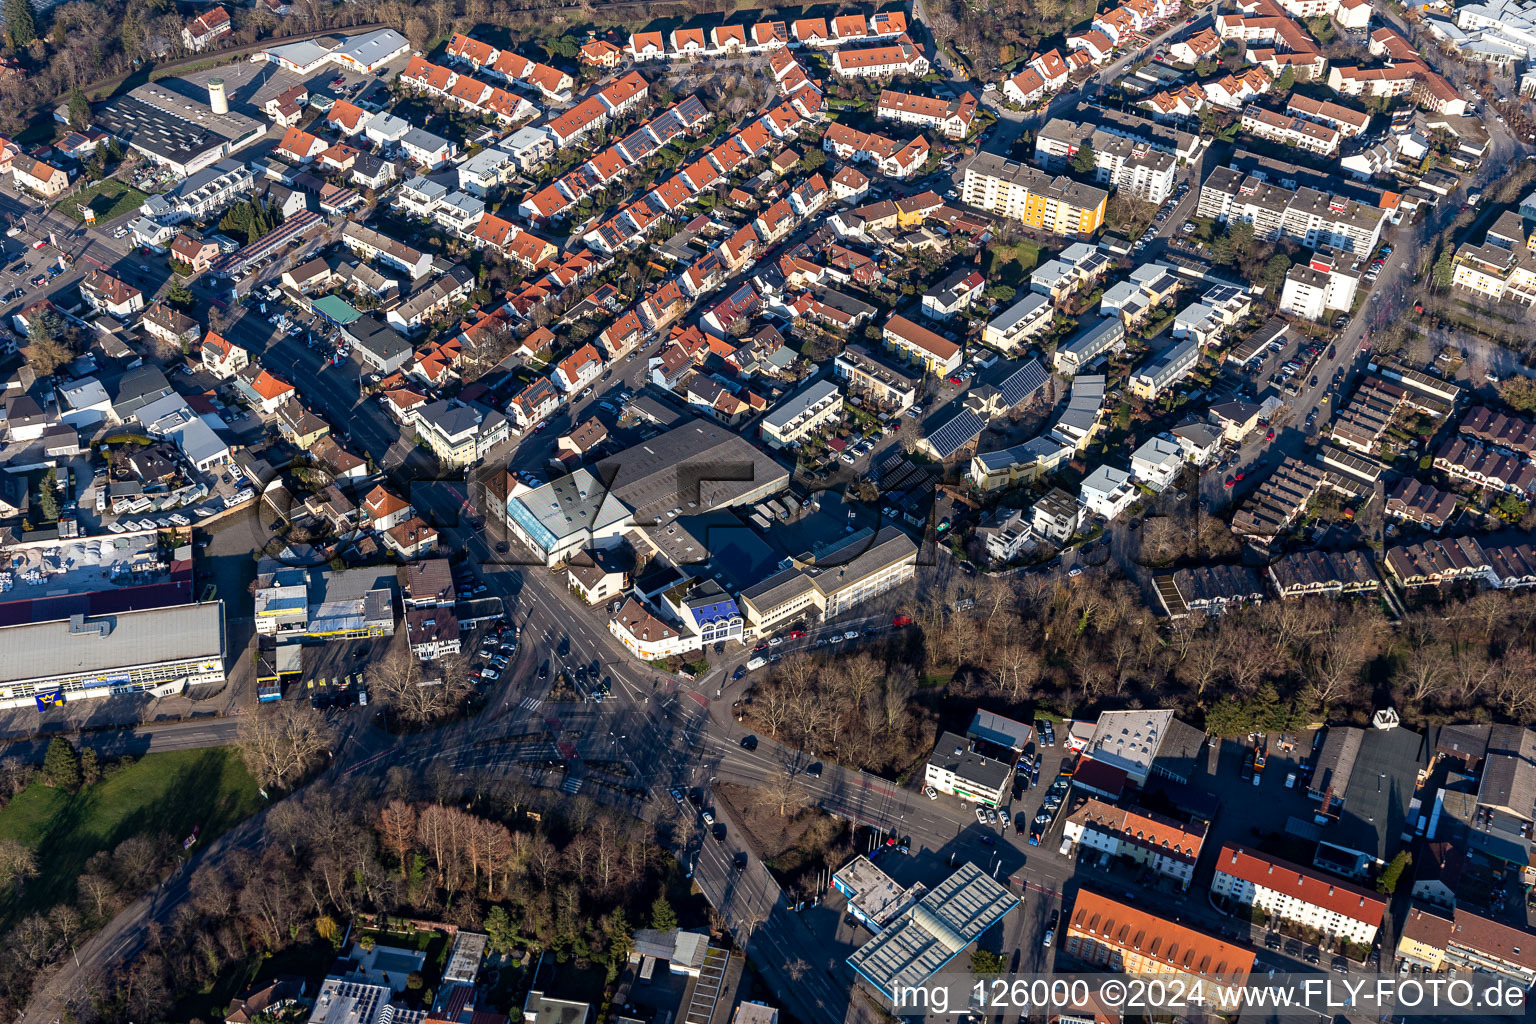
{"x":532,"y":703}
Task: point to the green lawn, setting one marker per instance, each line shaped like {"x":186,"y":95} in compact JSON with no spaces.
{"x":109,"y":198}
{"x":161,"y":793}
{"x":1011,"y":264}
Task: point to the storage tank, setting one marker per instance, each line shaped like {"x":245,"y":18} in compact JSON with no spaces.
{"x":218,"y":99}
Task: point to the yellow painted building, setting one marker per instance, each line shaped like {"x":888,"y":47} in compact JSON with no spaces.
{"x":1027,"y":194}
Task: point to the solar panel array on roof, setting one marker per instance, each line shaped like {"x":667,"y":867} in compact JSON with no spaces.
{"x":902,"y":475}
{"x":956,"y":434}
{"x":1022,"y":383}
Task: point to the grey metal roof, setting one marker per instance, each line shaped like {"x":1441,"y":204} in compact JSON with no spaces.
{"x":371,"y":47}
{"x":930,"y":934}
{"x":43,"y":650}
{"x":694,"y":461}
{"x":577,"y":501}
{"x":798,"y":404}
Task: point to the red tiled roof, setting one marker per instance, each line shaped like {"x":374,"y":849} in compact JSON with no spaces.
{"x":1301,"y":883}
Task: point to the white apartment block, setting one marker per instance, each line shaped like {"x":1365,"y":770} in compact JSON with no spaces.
{"x":1133,"y":166}
{"x":1292,"y":132}
{"x":1157,"y":462}
{"x":1015,"y":326}
{"x":1297,"y":894}
{"x":801,"y":415}
{"x":1159,"y":844}
{"x":1306,"y":216}
{"x":1322,"y":284}
{"x":1348,"y":13}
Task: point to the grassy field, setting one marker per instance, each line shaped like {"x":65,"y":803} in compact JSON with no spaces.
{"x":166,"y":793}
{"x":109,"y":198}
{"x":1011,"y":264}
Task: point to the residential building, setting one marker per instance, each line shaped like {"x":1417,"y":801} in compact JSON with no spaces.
{"x":597,"y":575}
{"x":1326,"y":573}
{"x":1057,"y":516}
{"x":648,"y":637}
{"x":1157,"y":462}
{"x":1207,"y":321}
{"x":108,"y":294}
{"x":1003,"y":534}
{"x":951,"y":118}
{"x":1414,"y":501}
{"x":433,"y":632}
{"x":1056,"y":205}
{"x":196,"y":253}
{"x":578,"y":369}
{"x":1347,"y":121}
{"x":879,"y":383}
{"x":1020,"y":464}
{"x":1019,"y":323}
{"x":534,"y":403}
{"x":1077,"y":267}
{"x":1209,"y":589}
{"x":373,"y":245}
{"x":1486,"y":467}
{"x":903,"y":57}
{"x":458,"y":432}
{"x":1072,"y":356}
{"x":957,"y":769}
{"x":1326,"y":282}
{"x":1167,"y":369}
{"x":1111,"y":935}
{"x":171,"y":326}
{"x":1291,"y":132}
{"x":44,"y":179}
{"x":937,"y":354}
{"x":1134,"y":299}
{"x":1159,"y":844}
{"x":1497,"y":273}
{"x":802,"y":414}
{"x":205,"y":29}
{"x":1134,"y":163}
{"x":1079,"y":421}
{"x":1467,"y":943}
{"x":1305,"y":216}
{"x":1300,"y":895}
{"x":954,"y":294}
{"x":1108,"y":492}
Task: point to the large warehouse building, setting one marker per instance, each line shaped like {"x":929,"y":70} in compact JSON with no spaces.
{"x":160,"y":651}
{"x":930,"y":933}
{"x":176,"y":130}
{"x":694,"y":467}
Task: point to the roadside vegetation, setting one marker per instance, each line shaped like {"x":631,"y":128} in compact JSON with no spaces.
{"x":82,"y":837}
{"x":1032,"y":644}
{"x":537,"y":870}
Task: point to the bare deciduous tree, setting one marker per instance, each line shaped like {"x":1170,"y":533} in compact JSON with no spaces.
{"x":281,"y":744}
{"x":416,"y":697}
